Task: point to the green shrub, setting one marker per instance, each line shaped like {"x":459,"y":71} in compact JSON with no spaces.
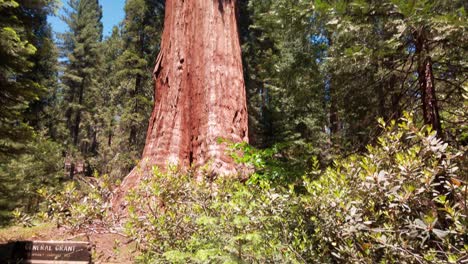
{"x":82,"y":203}
{"x":386,"y":206}
{"x":282,"y":164}
{"x":183,"y":220}
{"x":402,"y":201}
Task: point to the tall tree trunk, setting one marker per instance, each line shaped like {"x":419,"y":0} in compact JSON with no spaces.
{"x":426,"y":84}
{"x":132,"y":140}
{"x":333,"y":94}
{"x":334,"y":121}
{"x":199,"y":91}
{"x":431,"y":110}
{"x":429,"y":100}
{"x":76,"y":126}
{"x":395,"y":97}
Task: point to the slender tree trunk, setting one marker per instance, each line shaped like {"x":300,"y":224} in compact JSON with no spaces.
{"x":431,"y":110}
{"x":429,"y":100}
{"x":334,"y":122}
{"x":133,"y":127}
{"x":333,"y":114}
{"x":69,"y":112}
{"x":138,"y":83}
{"x":426,"y":84}
{"x":396,"y":110}
{"x":199,"y":91}
{"x":76,"y":126}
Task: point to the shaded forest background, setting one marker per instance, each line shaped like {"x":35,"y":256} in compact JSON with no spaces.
{"x":318,"y":75}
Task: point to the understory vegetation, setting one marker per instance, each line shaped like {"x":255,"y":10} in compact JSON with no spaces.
{"x":403,"y":200}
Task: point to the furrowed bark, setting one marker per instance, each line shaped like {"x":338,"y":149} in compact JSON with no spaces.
{"x":199,"y":91}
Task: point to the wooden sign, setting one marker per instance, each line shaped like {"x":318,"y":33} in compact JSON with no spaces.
{"x":50,"y":252}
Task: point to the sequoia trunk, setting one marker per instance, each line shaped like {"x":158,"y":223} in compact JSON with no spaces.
{"x":199,"y":90}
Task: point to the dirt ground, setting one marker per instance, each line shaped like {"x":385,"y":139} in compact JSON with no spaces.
{"x":107,"y":247}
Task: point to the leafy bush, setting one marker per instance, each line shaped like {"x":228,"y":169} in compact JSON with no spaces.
{"x":79,"y":204}
{"x":402,"y":201}
{"x":281,"y":164}
{"x":187,"y":221}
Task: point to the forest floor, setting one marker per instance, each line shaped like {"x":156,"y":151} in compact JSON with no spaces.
{"x":107,"y":247}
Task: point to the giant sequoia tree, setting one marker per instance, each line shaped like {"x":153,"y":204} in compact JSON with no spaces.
{"x":199,"y":90}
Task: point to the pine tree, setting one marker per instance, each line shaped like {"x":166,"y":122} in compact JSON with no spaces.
{"x":109,"y":159}
{"x":334,"y":67}
{"x":28,"y":159}
{"x":141,"y":31}
{"x":44,"y":72}
{"x":18,"y":89}
{"x":283,"y":75}
{"x":128,"y":87}
{"x":82,"y":44}
{"x":407,"y":54}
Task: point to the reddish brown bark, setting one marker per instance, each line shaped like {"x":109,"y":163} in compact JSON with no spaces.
{"x":429,"y":101}
{"x":426,"y":83}
{"x":199,"y":90}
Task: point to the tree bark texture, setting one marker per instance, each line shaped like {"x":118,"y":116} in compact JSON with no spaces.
{"x":429,"y":100}
{"x":426,"y":83}
{"x":199,"y":90}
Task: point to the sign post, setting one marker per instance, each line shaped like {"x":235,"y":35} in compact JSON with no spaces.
{"x":49,"y":252}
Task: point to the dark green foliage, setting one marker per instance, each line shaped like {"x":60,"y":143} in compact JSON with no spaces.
{"x":322,"y":72}
{"x":28,"y":160}
{"x":81,"y":75}
{"x":44,"y":72}
{"x":17,"y":87}
{"x":128,"y":88}
{"x":377,"y":51}
{"x":286,"y":92}
{"x":39,"y":166}
{"x":141,"y":32}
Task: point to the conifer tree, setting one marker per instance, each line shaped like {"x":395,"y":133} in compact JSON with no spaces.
{"x":128,"y":87}
{"x":18,"y":89}
{"x":141,"y":32}
{"x":44,"y":72}
{"x":109,"y":159}
{"x":408,"y":56}
{"x":282,"y":72}
{"x":82,"y":45}
{"x":28,"y":159}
